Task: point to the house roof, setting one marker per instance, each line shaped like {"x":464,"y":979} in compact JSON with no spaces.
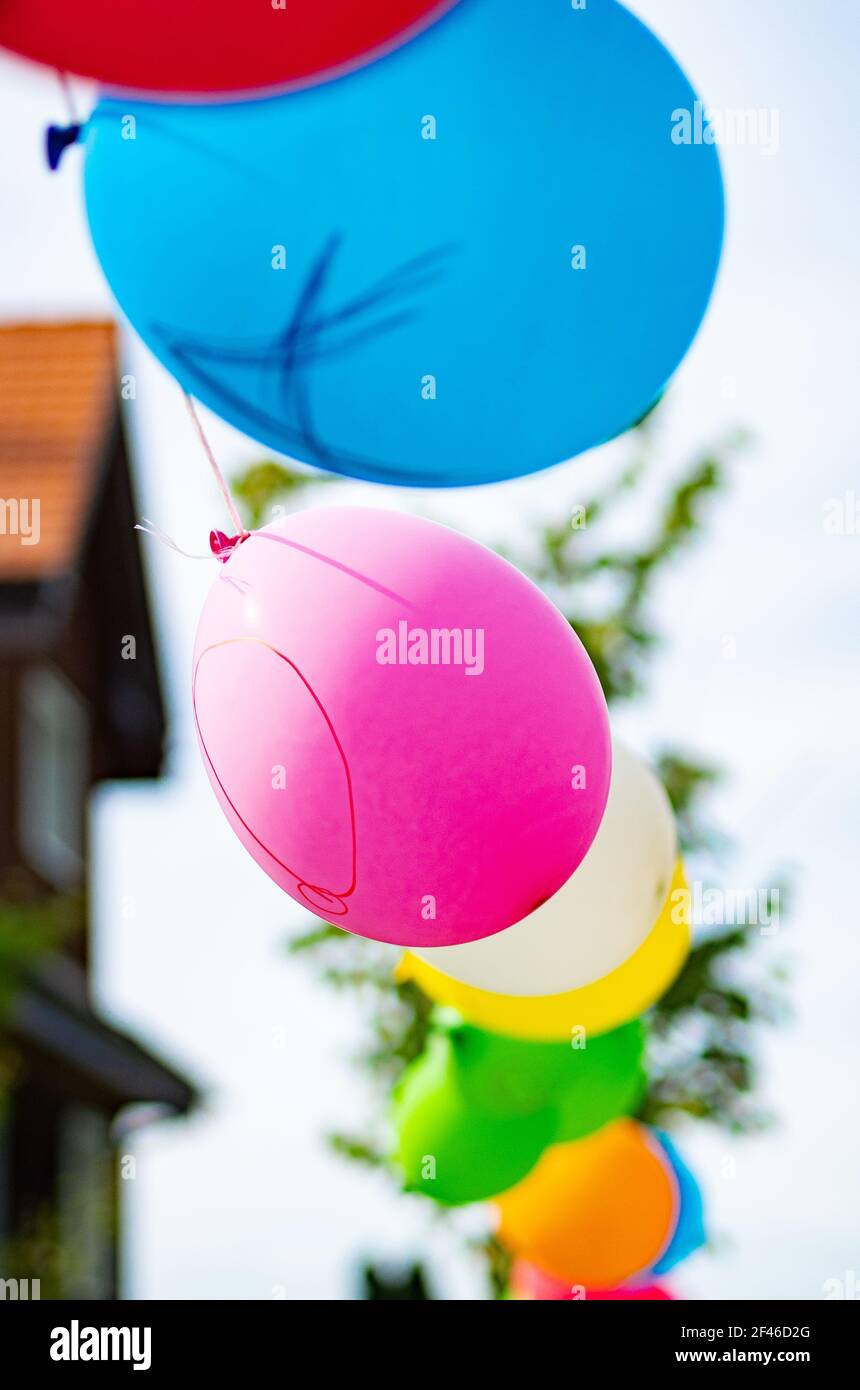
{"x":72,"y":1048}
{"x":71,"y":588}
{"x":57,"y":394}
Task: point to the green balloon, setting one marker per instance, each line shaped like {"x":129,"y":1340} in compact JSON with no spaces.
{"x":609,"y":1081}
{"x":449,"y":1149}
{"x":475,"y":1111}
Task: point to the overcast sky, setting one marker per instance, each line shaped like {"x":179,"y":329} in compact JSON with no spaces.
{"x":760,"y":672}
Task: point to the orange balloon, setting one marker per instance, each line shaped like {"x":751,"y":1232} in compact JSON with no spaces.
{"x":596,"y":1212}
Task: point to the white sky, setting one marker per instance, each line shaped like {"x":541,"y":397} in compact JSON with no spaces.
{"x":244,"y":1201}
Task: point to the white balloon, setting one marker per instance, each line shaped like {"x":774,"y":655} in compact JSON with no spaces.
{"x":601,"y":915}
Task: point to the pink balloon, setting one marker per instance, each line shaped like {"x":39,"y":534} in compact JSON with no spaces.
{"x":531,"y":1284}
{"x":398,"y":725}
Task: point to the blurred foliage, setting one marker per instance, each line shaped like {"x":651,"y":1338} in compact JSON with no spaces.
{"x":701,"y":1050}
{"x":267,"y":485}
{"x":49,"y":1247}
{"x":499,"y":1261}
{"x":29,"y":929}
{"x":604,"y":587}
{"x":45,"y":1248}
{"x":702,"y":1053}
{"x":382,"y":1284}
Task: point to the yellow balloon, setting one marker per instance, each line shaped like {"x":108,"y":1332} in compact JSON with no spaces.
{"x":596,"y":1212}
{"x":617,"y":998}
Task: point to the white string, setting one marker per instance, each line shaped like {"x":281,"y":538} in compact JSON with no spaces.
{"x":149,"y":528}
{"x":241,"y":530}
{"x":68,"y":94}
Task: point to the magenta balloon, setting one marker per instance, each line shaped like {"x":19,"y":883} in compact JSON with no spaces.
{"x":398,"y":725}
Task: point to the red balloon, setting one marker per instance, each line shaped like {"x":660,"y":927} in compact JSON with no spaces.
{"x":649,"y":1293}
{"x":530,"y":1284}
{"x":197,"y":46}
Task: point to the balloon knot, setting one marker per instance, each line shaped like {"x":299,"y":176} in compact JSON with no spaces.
{"x":57,"y":139}
{"x":222,"y":546}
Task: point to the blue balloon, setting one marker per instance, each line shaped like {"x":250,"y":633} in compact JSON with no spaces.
{"x":475,"y":257}
{"x":689,"y":1233}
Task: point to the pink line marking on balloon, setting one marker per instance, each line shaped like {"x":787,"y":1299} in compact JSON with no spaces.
{"x":328,"y":894}
{"x":336,"y":564}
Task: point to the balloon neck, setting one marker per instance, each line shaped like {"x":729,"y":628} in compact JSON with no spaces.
{"x":57,"y":140}
{"x":222,"y":546}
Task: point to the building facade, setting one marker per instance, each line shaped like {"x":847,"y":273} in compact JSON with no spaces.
{"x":80,"y":704}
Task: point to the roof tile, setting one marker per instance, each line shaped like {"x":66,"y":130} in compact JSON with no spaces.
{"x":57,"y":389}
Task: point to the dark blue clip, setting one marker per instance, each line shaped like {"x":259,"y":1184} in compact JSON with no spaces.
{"x":57,"y":139}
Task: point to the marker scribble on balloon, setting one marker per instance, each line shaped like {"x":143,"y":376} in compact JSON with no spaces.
{"x":322,"y":900}
{"x":311,"y":337}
